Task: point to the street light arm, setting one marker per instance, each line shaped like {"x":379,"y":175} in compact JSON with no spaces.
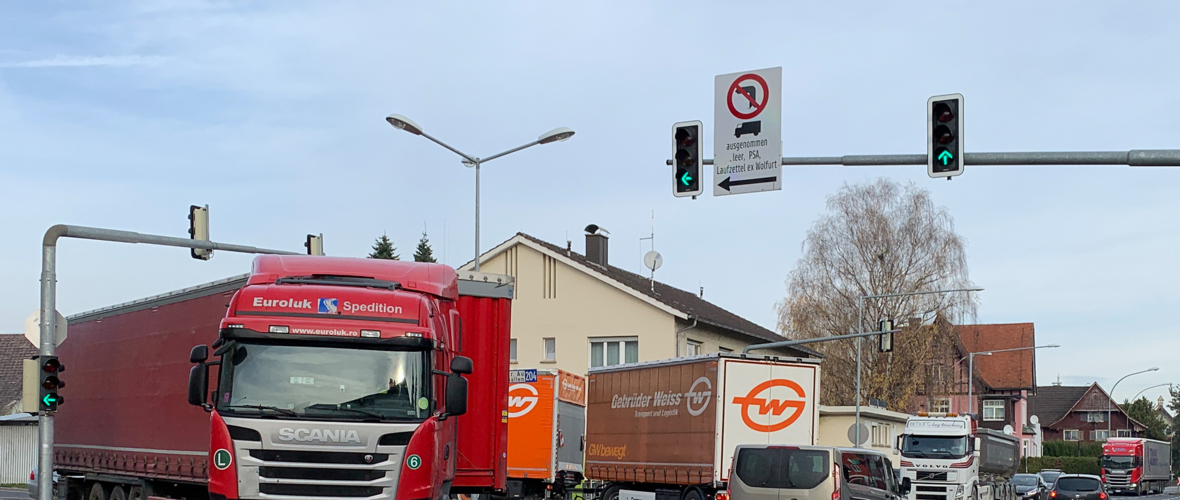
{"x":510,"y":151}
{"x":465,"y":156}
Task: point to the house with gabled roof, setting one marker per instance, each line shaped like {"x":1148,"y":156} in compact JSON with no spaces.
{"x":14,"y":349}
{"x":1080,"y":413}
{"x":573,"y":311}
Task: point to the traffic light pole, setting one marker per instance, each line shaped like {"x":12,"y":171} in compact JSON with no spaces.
{"x":49,"y":311}
{"x":1133,"y":158}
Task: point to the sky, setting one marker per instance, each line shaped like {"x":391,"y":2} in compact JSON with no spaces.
{"x":122,"y":114}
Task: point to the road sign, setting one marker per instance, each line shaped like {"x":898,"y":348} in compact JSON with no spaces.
{"x":747,"y":132}
{"x":33,"y":329}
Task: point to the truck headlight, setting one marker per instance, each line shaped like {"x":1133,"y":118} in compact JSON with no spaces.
{"x":959,"y":492}
{"x":1134,"y":485}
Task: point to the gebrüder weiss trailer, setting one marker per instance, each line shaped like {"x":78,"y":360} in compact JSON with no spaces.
{"x":668,"y":429}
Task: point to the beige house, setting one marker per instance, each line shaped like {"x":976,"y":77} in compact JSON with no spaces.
{"x":575,"y":311}
{"x":880,"y":428}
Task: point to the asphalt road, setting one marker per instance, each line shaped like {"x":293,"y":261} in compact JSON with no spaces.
{"x":9,"y":494}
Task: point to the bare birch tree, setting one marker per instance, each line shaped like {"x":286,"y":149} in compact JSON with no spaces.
{"x":878,"y":238}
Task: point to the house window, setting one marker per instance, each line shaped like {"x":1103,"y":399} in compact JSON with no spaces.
{"x":1099,"y":435}
{"x":1096,"y":416}
{"x":550,"y":345}
{"x":993,"y":410}
{"x":940,"y":405}
{"x":1070,"y":435}
{"x":882,"y":435}
{"x":613,"y":351}
{"x":1123,"y":433}
{"x":694,"y":348}
{"x":512,"y":351}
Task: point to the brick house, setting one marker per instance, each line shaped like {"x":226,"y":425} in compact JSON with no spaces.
{"x":1079,"y":413}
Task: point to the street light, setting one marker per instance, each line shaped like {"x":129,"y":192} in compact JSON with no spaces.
{"x":1140,"y":393}
{"x":860,"y":306}
{"x":401,"y":122}
{"x":1111,"y":395}
{"x":971,"y":369}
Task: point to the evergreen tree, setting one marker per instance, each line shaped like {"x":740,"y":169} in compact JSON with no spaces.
{"x":1174,"y":405}
{"x":1144,"y":412}
{"x":424,"y":253}
{"x":383,"y":249}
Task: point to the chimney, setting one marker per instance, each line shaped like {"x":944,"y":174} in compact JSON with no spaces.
{"x":596,"y":244}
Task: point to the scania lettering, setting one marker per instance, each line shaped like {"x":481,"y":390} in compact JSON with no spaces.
{"x":947,"y":457}
{"x":310,"y":378}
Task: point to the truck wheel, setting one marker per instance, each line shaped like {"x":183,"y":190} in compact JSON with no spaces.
{"x":118,"y":493}
{"x":611,"y":493}
{"x":97,"y":492}
{"x":135,"y":493}
{"x":692,"y":494}
{"x":974,"y":493}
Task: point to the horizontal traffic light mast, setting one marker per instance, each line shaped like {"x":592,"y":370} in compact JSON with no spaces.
{"x":1133,"y":158}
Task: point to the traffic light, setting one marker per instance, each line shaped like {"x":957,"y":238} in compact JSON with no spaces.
{"x":944,"y":133}
{"x":686,"y":158}
{"x":885,"y":340}
{"x":51,"y":381}
{"x":315,"y":244}
{"x":198,"y":229}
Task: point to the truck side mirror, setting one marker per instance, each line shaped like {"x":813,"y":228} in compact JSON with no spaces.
{"x":199,"y":354}
{"x":462,"y":364}
{"x":456,"y":395}
{"x":906,"y":486}
{"x":198,"y":385}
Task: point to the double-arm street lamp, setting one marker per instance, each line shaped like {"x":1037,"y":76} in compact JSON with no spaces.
{"x":556,"y":135}
{"x":1145,"y":389}
{"x":971,"y":369}
{"x":1111,"y":396}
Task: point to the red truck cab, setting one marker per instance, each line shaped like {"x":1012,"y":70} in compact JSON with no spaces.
{"x":340,"y":377}
{"x":1135,"y":465}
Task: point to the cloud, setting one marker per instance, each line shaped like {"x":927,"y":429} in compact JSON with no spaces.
{"x":60,"y":61}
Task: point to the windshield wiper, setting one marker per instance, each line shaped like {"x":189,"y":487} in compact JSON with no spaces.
{"x":355,"y":410}
{"x":284,"y":411}
{"x":915,"y":453}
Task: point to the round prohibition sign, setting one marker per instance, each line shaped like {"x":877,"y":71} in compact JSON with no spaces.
{"x":735,"y":88}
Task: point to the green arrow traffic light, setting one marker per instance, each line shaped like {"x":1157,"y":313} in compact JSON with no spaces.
{"x":686,"y":179}
{"x":945,"y":156}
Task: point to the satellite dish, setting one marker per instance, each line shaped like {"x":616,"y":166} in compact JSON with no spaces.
{"x":1034,"y":420}
{"x":1009,"y":430}
{"x":653,"y":260}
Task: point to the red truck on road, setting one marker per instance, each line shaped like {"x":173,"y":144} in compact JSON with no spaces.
{"x":319,"y":377}
{"x":1136,"y":465}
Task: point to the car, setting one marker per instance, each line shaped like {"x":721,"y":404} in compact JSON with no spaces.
{"x":1031,"y":486}
{"x":1050,"y":475}
{"x":33,"y":487}
{"x":1078,"y":487}
{"x":771,"y":472}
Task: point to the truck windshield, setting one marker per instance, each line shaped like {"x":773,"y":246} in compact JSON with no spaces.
{"x":934,"y":446}
{"x":324,"y":382}
{"x":1119,"y":462}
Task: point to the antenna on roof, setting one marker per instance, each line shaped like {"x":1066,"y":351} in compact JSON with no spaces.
{"x":653,"y":260}
{"x":1058,"y":382}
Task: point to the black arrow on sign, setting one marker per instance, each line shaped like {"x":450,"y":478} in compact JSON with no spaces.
{"x":726,"y":183}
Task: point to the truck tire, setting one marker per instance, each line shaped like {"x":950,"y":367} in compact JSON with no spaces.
{"x":692,"y":493}
{"x":118,"y":493}
{"x":974,"y":493}
{"x":135,"y":493}
{"x":97,"y":492}
{"x":611,"y":493}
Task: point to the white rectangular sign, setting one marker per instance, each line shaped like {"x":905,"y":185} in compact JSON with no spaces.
{"x":747,"y":132}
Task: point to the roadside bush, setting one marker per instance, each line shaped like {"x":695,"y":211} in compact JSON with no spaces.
{"x":1069,"y":465}
{"x":1071,"y":449}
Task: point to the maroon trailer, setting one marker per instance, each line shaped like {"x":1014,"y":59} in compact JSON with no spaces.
{"x":308,"y":413}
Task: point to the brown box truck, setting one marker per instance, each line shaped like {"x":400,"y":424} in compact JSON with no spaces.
{"x":666,"y":430}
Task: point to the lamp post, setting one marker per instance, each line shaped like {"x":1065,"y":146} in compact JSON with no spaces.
{"x":860,"y":306}
{"x":1140,"y":393}
{"x":402,"y":123}
{"x":971,"y":369}
{"x":1111,"y":395}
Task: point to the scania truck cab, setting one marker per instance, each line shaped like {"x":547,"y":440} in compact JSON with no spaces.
{"x":335,"y":377}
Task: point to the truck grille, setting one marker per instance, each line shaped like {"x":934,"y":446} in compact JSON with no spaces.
{"x":323,"y":474}
{"x":929,"y":475}
{"x":318,"y":457}
{"x":318,"y":490}
{"x":1118,"y":480}
{"x":320,"y":474}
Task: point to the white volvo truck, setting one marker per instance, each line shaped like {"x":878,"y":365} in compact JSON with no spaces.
{"x":947,"y":457}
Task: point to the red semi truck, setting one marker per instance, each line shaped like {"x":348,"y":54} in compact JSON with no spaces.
{"x":1136,"y":465}
{"x":312,"y":377}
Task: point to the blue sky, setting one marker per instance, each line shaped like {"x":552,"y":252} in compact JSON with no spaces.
{"x":122,"y":114}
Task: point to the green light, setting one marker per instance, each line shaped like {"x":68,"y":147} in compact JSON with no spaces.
{"x":49,"y":399}
{"x":686,"y":179}
{"x":945,"y":156}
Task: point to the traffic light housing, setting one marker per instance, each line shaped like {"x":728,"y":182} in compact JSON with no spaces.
{"x":944,"y":134}
{"x":315,"y":244}
{"x":885,"y":340}
{"x":198,"y":229}
{"x":51,"y":381}
{"x":686,"y":158}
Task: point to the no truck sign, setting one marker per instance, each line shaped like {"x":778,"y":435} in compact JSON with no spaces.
{"x":747,"y":133}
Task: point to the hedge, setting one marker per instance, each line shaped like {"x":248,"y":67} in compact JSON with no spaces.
{"x":1071,"y":449}
{"x":1069,"y":465}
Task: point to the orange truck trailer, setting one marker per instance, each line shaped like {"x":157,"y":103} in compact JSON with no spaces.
{"x":546,"y":430}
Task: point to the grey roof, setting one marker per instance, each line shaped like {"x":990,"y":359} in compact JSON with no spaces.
{"x":1052,"y":402}
{"x":13,"y":350}
{"x":687,"y":302}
